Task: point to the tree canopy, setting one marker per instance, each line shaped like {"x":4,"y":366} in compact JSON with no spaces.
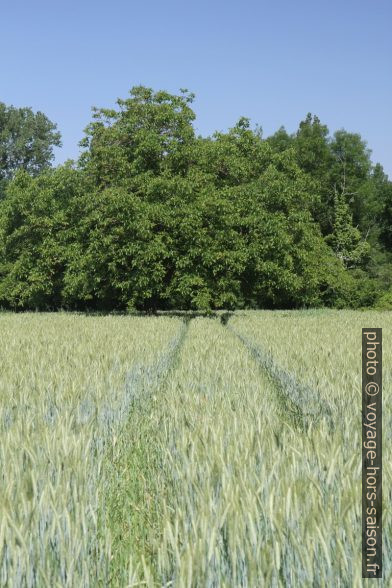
{"x":26,"y":141}
{"x":153,"y":216}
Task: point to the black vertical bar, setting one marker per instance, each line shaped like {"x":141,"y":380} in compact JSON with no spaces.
{"x":372,"y":453}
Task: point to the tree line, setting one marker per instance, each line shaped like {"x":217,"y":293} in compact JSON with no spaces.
{"x":152,"y":216}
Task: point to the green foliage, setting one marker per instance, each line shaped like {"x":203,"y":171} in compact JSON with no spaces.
{"x":154,"y":217}
{"x":384,"y":302}
{"x":311,"y":144}
{"x":233,"y":158}
{"x":26,"y":141}
{"x":182,"y":245}
{"x":33,"y":244}
{"x":280,"y":141}
{"x":350,"y":169}
{"x":340,"y":165}
{"x":346,"y":240}
{"x":119,"y":251}
{"x":149,"y":134}
{"x":384,"y":217}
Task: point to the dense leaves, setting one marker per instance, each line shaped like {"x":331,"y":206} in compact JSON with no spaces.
{"x":34,"y":226}
{"x":154,"y":217}
{"x":26,"y":141}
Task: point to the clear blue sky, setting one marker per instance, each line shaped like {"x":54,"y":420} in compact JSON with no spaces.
{"x":272,"y":61}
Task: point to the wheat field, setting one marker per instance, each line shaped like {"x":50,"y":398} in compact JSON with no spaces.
{"x":185,"y":452}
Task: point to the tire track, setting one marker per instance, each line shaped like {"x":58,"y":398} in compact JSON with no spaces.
{"x":293,"y":395}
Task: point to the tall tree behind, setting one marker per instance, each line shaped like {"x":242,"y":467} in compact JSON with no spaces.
{"x":350,"y":169}
{"x":311,"y":143}
{"x":146,"y":136}
{"x":26,"y":141}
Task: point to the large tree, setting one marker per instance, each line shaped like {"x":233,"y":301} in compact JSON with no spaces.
{"x":349,"y":170}
{"x":147,"y":135}
{"x":27,"y":139}
{"x":155,"y":217}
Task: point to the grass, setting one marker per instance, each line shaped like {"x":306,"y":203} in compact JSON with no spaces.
{"x":67,"y":385}
{"x":163,"y":452}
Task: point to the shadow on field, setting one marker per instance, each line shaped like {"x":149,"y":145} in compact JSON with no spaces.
{"x":185,"y":315}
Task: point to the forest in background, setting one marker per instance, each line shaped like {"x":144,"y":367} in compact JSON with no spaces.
{"x":152,"y":216}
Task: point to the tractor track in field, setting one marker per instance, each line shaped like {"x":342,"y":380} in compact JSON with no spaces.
{"x":293,"y":395}
{"x":297,"y":400}
{"x":141,"y":383}
{"x":160,"y":372}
